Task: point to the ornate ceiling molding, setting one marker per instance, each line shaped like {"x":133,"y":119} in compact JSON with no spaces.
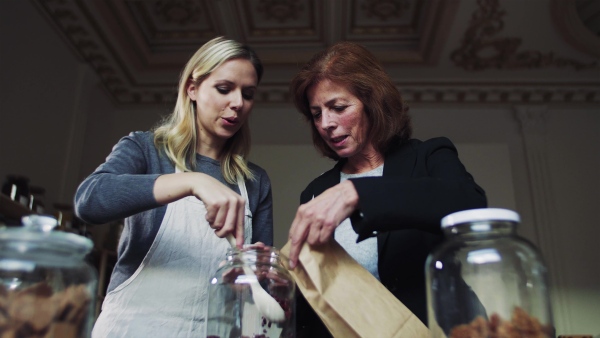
{"x":482,"y":47}
{"x":475,"y":93}
{"x":385,"y":10}
{"x":281,"y":11}
{"x":575,"y":31}
{"x":138,"y":47}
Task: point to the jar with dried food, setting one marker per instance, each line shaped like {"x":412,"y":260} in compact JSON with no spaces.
{"x":46,"y":287}
{"x":487,"y":281}
{"x":251,"y":295}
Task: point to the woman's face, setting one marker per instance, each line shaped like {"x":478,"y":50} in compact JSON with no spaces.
{"x":224,"y":101}
{"x":340,"y":118}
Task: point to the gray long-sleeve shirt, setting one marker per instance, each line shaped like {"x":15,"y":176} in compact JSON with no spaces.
{"x":122,"y":188}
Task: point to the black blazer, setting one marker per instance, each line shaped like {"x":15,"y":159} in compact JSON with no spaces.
{"x":422,"y":182}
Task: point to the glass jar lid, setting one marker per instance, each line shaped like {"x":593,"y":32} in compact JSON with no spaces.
{"x":478,"y":215}
{"x":36,"y":237}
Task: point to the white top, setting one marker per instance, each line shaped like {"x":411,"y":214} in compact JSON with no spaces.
{"x":365,"y":252}
{"x":483,"y":214}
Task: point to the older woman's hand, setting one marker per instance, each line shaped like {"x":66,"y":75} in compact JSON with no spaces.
{"x":317,"y":219}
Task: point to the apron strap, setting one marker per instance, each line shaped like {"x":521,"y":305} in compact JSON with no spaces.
{"x":247,"y":211}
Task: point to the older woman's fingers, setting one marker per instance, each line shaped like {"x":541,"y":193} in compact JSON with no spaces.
{"x":314,"y":233}
{"x":298,"y":233}
{"x":317,"y":219}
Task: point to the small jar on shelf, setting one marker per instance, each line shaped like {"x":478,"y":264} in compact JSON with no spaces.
{"x":64,"y":216}
{"x":36,"y":199}
{"x":16,"y":187}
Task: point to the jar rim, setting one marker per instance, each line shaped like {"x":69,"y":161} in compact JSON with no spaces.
{"x":477,"y":215}
{"x":252,"y":249}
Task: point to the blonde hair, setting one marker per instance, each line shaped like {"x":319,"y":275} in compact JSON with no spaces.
{"x":177,"y":134}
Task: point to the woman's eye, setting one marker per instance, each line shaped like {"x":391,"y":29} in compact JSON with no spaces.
{"x":339,"y":108}
{"x":316,"y":115}
{"x":223,"y":90}
{"x":248,"y":96}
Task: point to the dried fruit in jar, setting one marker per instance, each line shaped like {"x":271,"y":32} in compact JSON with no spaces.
{"x":37,"y":311}
{"x":521,"y":324}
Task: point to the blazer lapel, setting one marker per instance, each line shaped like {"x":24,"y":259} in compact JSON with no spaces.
{"x":328,"y":179}
{"x":399,"y":162}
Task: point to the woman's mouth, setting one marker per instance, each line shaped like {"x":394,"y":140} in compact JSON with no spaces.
{"x":338,"y":141}
{"x":230,"y":121}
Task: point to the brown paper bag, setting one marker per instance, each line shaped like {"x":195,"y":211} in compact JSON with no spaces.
{"x":347,"y":298}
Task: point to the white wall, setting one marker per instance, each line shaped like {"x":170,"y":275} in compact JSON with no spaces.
{"x":574,"y":168}
{"x":290,"y":168}
{"x":42,"y":87}
{"x":56,"y":126}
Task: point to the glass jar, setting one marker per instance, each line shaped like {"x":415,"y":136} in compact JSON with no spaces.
{"x":235,"y":289}
{"x":46,"y":287}
{"x":484,"y":280}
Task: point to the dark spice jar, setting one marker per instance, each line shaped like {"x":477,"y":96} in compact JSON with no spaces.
{"x":36,"y":201}
{"x":485,"y":280}
{"x":248,"y":282}
{"x":16,"y":187}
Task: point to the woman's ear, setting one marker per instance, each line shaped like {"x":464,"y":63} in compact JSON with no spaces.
{"x":191,"y":90}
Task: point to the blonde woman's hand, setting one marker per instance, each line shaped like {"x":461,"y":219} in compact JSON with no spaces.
{"x":317,"y":219}
{"x":224,"y":207}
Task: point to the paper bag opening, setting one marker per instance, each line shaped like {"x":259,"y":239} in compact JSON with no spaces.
{"x":349,"y":300}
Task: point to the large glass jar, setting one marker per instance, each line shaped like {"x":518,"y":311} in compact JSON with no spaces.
{"x":46,"y":287}
{"x":484,"y":280}
{"x":238,"y":286}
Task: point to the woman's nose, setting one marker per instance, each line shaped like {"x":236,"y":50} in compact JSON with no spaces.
{"x":327,"y":120}
{"x":237,"y":100}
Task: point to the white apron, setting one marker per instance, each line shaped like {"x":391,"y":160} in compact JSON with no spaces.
{"x":167,"y":294}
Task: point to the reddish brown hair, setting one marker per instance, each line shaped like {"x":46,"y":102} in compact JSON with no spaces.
{"x":353,"y":66}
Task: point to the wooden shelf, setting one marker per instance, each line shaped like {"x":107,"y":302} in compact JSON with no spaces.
{"x":11,"y":209}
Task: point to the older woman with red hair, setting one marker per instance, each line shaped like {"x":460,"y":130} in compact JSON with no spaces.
{"x":384,"y":198}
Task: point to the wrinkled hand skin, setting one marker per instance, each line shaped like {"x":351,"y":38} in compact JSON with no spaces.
{"x":317,"y":219}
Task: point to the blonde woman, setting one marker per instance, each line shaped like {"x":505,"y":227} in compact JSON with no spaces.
{"x":181,"y":189}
